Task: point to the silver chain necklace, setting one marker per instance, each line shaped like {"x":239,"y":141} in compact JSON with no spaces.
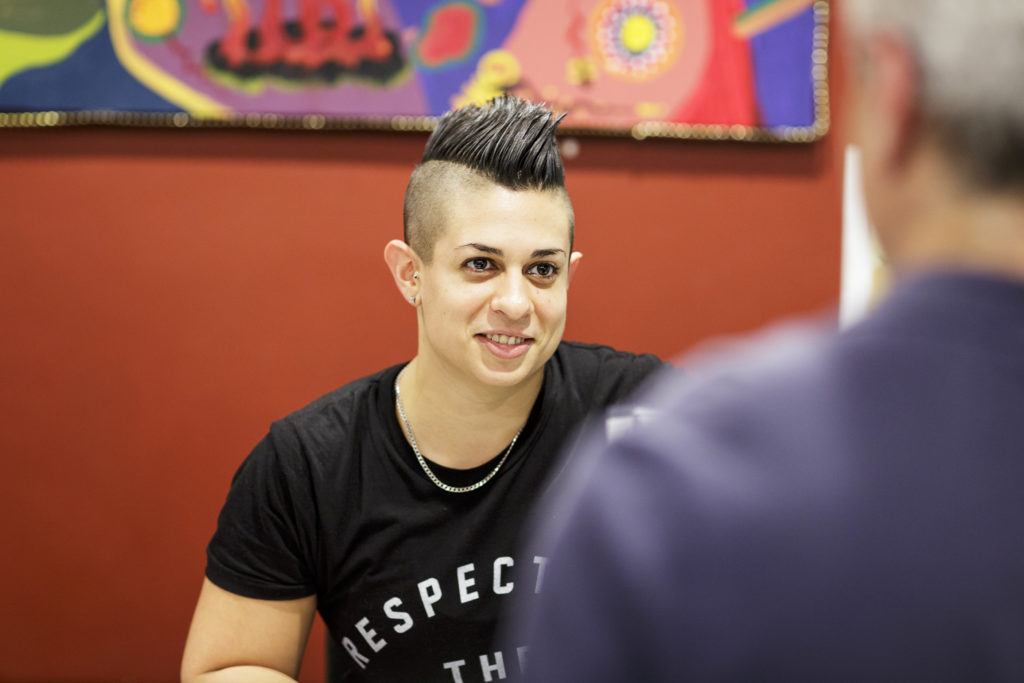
{"x":423,"y":463}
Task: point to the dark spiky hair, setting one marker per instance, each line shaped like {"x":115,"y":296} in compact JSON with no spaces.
{"x":508,"y":141}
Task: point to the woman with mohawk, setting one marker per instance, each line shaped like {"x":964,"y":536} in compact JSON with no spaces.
{"x":394,"y":505}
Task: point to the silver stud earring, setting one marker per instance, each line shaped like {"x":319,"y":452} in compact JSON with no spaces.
{"x":415,"y":276}
{"x":412,"y":299}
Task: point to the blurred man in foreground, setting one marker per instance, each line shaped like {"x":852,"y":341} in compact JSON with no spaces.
{"x":846,"y":508}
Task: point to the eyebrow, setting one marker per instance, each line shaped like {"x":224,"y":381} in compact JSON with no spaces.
{"x":539,"y":253}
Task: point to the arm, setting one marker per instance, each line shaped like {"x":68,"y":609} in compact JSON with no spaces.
{"x":234,"y":638}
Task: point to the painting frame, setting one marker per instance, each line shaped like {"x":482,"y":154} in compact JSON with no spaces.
{"x":648,"y":128}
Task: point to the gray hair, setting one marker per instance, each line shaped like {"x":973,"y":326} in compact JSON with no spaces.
{"x":971,"y":59}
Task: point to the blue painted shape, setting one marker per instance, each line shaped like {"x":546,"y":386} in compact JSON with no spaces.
{"x":782,"y":72}
{"x":440,"y":84}
{"x":91,"y":78}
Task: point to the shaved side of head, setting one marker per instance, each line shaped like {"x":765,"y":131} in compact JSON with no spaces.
{"x":507,"y":142}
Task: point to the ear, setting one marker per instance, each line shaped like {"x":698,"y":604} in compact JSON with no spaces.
{"x":892,"y":90}
{"x":404,"y":265}
{"x":574,"y":263}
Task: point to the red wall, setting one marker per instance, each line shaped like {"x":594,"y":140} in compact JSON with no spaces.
{"x":165,"y":294}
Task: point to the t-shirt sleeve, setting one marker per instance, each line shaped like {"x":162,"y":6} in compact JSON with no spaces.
{"x":265,"y":540}
{"x":619,"y":374}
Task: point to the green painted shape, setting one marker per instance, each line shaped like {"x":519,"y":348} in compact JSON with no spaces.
{"x":22,"y":51}
{"x":46,"y":17}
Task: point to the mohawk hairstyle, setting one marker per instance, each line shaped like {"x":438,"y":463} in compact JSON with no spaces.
{"x":507,"y":141}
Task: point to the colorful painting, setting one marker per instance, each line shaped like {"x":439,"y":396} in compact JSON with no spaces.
{"x":731,"y":69}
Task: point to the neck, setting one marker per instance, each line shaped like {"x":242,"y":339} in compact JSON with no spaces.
{"x":979,"y":233}
{"x":934,"y":219}
{"x":458,"y":422}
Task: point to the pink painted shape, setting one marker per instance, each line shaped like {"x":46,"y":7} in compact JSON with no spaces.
{"x":540,"y":44}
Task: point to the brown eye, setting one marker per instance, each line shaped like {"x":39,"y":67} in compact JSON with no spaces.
{"x":478,"y":264}
{"x":545,"y":271}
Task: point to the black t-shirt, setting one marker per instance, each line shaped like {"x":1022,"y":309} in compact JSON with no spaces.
{"x":410,"y":579}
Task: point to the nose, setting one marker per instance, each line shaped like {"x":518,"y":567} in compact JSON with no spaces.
{"x":512,"y":296}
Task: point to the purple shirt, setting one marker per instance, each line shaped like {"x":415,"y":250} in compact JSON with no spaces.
{"x":825,"y":508}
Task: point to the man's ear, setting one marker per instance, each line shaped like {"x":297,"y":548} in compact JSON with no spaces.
{"x":574,"y":263}
{"x":404,"y":265}
{"x":894,"y":86}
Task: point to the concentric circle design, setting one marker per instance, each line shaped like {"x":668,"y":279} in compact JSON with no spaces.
{"x":636,"y":40}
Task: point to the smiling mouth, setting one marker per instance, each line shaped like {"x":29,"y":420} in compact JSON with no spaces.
{"x":503,"y":339}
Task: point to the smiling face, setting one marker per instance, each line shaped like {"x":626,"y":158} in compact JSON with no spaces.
{"x":493,"y":297}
